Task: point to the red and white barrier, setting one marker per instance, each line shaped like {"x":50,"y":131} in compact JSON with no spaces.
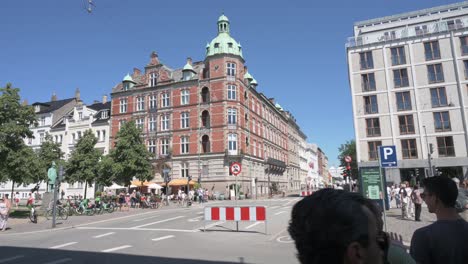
{"x":235,"y":213}
{"x":306,"y":193}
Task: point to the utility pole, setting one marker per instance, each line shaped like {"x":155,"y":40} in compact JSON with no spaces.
{"x":429,"y":153}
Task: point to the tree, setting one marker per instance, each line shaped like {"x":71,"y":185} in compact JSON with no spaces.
{"x":106,"y":171}
{"x":83,"y":164}
{"x":130,"y":156}
{"x":49,"y":151}
{"x":15,"y":122}
{"x":349,"y":149}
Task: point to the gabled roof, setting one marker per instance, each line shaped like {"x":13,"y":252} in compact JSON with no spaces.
{"x":100,"y":106}
{"x":51,"y":106}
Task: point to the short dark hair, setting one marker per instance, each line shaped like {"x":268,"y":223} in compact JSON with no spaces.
{"x":325,"y":223}
{"x":443,"y":188}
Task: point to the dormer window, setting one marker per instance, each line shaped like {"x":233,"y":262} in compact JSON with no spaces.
{"x":216,"y":45}
{"x":230,"y":45}
{"x":43,"y":121}
{"x":80,"y":115}
{"x":126,"y":86}
{"x":37,"y":108}
{"x":153,"y":79}
{"x":104,"y":114}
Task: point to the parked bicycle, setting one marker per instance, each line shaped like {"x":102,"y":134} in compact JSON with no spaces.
{"x":32,"y":214}
{"x":86,"y":208}
{"x":59,"y":211}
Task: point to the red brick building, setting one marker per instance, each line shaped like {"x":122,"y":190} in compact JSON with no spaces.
{"x":200,"y":118}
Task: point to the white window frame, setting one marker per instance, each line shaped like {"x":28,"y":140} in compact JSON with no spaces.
{"x":123,"y":105}
{"x":164,"y":122}
{"x":153,"y":79}
{"x":152,"y":146}
{"x":232,"y":143}
{"x":152,"y":101}
{"x":184,"y":169}
{"x":184,"y":145}
{"x":164,"y":146}
{"x":232,"y":92}
{"x":184,"y":97}
{"x":152,"y":123}
{"x":140,"y":123}
{"x":140,"y":104}
{"x":165,"y":100}
{"x":184,"y":120}
{"x":232,"y":116}
{"x":104,"y":114}
{"x":230,"y":69}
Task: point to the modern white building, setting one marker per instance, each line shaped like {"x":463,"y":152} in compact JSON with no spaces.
{"x":313,"y":180}
{"x":408,"y":75}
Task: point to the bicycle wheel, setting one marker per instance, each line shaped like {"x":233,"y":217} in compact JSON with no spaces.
{"x":32,"y":216}
{"x":48,"y":214}
{"x":63,"y":214}
{"x":111,"y":208}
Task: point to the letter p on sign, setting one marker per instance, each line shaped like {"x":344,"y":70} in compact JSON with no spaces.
{"x":387,"y":152}
{"x":388,"y":157}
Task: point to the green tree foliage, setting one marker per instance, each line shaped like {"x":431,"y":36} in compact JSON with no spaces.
{"x":83,"y":164}
{"x":106,"y":171}
{"x":49,"y":151}
{"x":23,"y":165}
{"x":130,"y":156}
{"x":15,"y":122}
{"x":349,"y":149}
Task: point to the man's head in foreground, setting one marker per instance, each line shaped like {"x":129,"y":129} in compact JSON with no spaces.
{"x":336,"y":226}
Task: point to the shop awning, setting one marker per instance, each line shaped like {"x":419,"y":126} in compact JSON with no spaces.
{"x":140,"y":183}
{"x":179,"y":182}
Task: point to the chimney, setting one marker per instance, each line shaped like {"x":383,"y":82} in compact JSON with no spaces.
{"x":77,"y":94}
{"x":54,"y":97}
{"x":25,"y":102}
{"x":104,"y":99}
{"x":189,"y":61}
{"x":136,"y":72}
{"x":154,"y":58}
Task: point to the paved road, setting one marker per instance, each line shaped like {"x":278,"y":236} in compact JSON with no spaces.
{"x":169,"y":235}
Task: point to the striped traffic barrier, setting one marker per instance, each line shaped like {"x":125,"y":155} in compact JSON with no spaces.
{"x":235,"y":213}
{"x":306,"y":193}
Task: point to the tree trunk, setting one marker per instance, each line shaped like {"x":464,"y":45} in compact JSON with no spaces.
{"x":12,"y":190}
{"x":85,"y":189}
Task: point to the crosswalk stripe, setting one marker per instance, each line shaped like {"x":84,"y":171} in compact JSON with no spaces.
{"x":116,"y":248}
{"x":11,"y":258}
{"x":162,"y":238}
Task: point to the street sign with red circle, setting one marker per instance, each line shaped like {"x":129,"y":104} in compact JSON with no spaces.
{"x":235,"y":168}
{"x":348,"y":159}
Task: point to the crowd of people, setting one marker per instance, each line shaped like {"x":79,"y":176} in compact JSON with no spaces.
{"x":337,"y":226}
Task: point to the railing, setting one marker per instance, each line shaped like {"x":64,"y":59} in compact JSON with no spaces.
{"x":448,"y":151}
{"x":373,"y":132}
{"x":406,"y":32}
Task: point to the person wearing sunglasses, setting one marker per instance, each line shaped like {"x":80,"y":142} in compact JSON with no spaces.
{"x":446,"y":240}
{"x":336,"y":226}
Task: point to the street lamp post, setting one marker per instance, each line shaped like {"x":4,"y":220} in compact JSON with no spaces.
{"x":429,"y":156}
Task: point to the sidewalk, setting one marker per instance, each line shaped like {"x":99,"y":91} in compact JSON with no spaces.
{"x":406,"y":227}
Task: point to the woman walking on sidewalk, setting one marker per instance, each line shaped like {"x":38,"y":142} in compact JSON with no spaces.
{"x":417,"y":201}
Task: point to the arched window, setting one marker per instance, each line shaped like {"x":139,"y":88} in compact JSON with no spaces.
{"x":205,"y":95}
{"x":206,"y":144}
{"x":205,"y":119}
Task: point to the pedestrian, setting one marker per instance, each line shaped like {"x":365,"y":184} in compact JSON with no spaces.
{"x":3,"y":214}
{"x":7,"y":213}
{"x":462,"y":200}
{"x":445,"y":240}
{"x":417,"y":201}
{"x":62,"y":194}
{"x":397,"y":196}
{"x":404,"y":201}
{"x":17,"y":199}
{"x":389,"y":197}
{"x":409,"y":191}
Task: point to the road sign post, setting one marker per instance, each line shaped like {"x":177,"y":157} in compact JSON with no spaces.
{"x":387,"y":159}
{"x":235,"y":169}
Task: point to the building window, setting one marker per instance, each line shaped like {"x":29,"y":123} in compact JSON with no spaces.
{"x":140,"y":123}
{"x":152,"y":102}
{"x":435,"y":73}
{"x":104,"y":114}
{"x":398,"y":56}
{"x":43,"y":121}
{"x":464,"y":45}
{"x":403,"y":101}
{"x":231,"y":69}
{"x":41,"y":137}
{"x":431,"y":50}
{"x":366,"y":60}
{"x":232,"y":92}
{"x":123,"y":105}
{"x":80,"y":115}
{"x":103,"y":133}
{"x":126,"y":86}
{"x":421,"y":30}
{"x":373,"y":127}
{"x":465,"y":62}
{"x":232,"y":116}
{"x":140,"y":105}
{"x":184,"y":145}
{"x":370,"y":104}
{"x":152,"y":124}
{"x":121,"y":123}
{"x":152,"y":146}
{"x":400,"y":78}
{"x":184,"y":97}
{"x":184,"y":169}
{"x":408,"y":148}
{"x":438,"y":97}
{"x":164,"y":122}
{"x":368,"y":82}
{"x":254,"y":126}
{"x":165,"y":146}
{"x":406,"y":123}
{"x":184,"y":119}
{"x":445,"y":147}
{"x":153,"y":79}
{"x":442,"y":121}
{"x":98,"y":135}
{"x":165,"y":99}
{"x":374,"y":149}
{"x":232,"y":142}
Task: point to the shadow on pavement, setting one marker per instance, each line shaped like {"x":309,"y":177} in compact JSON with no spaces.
{"x":19,"y":255}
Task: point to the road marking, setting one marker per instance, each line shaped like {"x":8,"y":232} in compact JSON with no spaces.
{"x":208,"y":226}
{"x":285,"y":239}
{"x":143,"y":219}
{"x":282,"y":212}
{"x":162,"y":221}
{"x":63,"y":245}
{"x":59,"y":261}
{"x":137,"y":229}
{"x":196,"y":219}
{"x":116,"y":248}
{"x":274,"y":207}
{"x":11,"y":258}
{"x":277,"y":234}
{"x":200,"y":213}
{"x":254,"y":224}
{"x":162,"y":238}
{"x":103,"y":235}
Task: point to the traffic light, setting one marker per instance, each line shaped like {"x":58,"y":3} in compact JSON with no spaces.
{"x":431,"y":148}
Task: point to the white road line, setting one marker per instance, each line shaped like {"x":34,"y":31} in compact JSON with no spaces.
{"x":63,"y":245}
{"x":137,"y":229}
{"x":162,"y":238}
{"x":208,"y":226}
{"x":116,"y":248}
{"x":103,"y":235}
{"x":162,"y":221}
{"x":196,"y":219}
{"x":59,"y":261}
{"x":254,"y":224}
{"x":274,"y":207}
{"x":11,"y":258}
{"x":282,"y":212}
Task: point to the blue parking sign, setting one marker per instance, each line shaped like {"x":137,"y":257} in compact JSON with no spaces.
{"x":388,"y":157}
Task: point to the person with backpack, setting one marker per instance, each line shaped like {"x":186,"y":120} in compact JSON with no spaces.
{"x":417,"y":201}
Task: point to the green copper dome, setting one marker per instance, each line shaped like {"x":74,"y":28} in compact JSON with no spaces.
{"x":128,"y":78}
{"x":187,"y":67}
{"x":248,"y":76}
{"x":223,"y":43}
{"x":254,"y":82}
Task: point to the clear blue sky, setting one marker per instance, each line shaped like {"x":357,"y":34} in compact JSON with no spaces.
{"x":294,"y":49}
